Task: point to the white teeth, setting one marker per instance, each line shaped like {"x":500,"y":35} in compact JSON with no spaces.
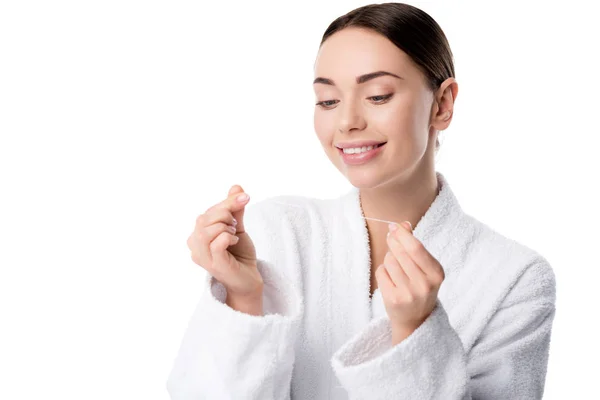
{"x":358,"y":150}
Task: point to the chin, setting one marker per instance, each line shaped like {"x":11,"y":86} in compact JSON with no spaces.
{"x":363,"y":178}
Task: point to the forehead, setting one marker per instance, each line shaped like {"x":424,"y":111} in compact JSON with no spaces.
{"x":355,"y":51}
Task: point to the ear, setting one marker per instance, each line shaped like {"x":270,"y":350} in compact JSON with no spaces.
{"x":443,"y":104}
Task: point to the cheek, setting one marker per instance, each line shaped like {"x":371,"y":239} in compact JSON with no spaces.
{"x":397,"y":120}
{"x":324,"y":127}
{"x":402,"y":120}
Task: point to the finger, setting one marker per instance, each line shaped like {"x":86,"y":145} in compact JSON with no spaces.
{"x":235,"y":207}
{"x":214,"y":230}
{"x":200,"y":255}
{"x":202,"y":237}
{"x":200,"y":250}
{"x":412,"y":270}
{"x":218,"y":249}
{"x":213,"y":217}
{"x":231,"y":203}
{"x":384,"y":281}
{"x":416,"y":250}
{"x":397,"y":274}
{"x":234,"y":190}
{"x":238,"y":214}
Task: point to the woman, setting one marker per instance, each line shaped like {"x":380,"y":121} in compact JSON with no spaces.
{"x":450,"y":310}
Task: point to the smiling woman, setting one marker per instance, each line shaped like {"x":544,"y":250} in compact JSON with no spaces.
{"x":404,"y":100}
{"x":325,"y":303}
{"x":400,"y":93}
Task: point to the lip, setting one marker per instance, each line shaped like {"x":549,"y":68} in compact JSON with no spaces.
{"x":360,"y":158}
{"x":361,"y":143}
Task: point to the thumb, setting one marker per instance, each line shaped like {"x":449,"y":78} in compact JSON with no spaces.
{"x":238,"y":215}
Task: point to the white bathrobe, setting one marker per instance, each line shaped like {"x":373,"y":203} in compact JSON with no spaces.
{"x":323,"y":337}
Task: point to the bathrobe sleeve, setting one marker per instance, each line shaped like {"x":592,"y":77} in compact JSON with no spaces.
{"x":226,"y":354}
{"x":507,"y":361}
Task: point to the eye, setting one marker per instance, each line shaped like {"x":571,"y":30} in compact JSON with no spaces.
{"x":381,"y":98}
{"x":324,"y":104}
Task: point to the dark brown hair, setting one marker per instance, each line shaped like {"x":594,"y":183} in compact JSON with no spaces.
{"x":412,"y":30}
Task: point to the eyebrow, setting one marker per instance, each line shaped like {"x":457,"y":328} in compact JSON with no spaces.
{"x":359,"y":79}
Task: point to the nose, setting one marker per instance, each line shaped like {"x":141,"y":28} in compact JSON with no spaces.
{"x":350,"y":118}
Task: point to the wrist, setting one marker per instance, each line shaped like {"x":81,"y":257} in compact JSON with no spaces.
{"x":249,"y":303}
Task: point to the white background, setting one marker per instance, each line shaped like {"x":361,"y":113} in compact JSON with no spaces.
{"x":121,"y":121}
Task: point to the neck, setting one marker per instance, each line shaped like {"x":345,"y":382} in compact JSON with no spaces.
{"x":405,"y":200}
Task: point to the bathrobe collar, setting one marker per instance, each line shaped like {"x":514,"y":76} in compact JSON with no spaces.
{"x":440,"y":224}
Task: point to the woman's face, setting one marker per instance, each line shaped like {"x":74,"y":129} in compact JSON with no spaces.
{"x":395,"y":110}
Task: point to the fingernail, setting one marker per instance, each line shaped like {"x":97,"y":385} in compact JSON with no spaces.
{"x":242,"y":197}
{"x":232,"y":229}
{"x":393,"y":227}
{"x":234,"y":222}
{"x":407,"y":225}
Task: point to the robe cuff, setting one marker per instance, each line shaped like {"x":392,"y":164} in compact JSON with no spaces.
{"x":227,"y":354}
{"x":281,"y":299}
{"x":368,"y":366}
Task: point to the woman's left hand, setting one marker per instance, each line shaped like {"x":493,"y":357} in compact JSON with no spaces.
{"x":409,"y":280}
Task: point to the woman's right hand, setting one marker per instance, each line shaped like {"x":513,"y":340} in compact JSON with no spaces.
{"x":220,"y":245}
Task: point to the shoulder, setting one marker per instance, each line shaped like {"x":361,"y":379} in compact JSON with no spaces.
{"x":523,"y":269}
